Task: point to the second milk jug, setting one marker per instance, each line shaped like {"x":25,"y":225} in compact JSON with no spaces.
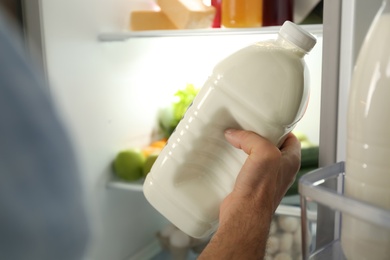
{"x":367,"y":163}
{"x":262,"y":88}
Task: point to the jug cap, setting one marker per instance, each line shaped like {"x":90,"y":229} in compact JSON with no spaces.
{"x":298,"y":36}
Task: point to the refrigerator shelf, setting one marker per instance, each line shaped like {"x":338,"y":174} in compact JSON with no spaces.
{"x":126,"y":35}
{"x":322,"y":192}
{"x":123,"y":36}
{"x":117,"y":184}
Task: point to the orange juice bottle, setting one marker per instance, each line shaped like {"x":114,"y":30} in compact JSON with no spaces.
{"x":242,"y":13}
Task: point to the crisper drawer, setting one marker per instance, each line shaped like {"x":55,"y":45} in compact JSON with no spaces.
{"x":345,"y":226}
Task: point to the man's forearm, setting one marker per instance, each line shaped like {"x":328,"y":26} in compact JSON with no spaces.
{"x":241,"y":237}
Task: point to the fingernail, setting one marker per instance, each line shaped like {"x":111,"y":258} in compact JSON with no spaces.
{"x":230,"y":131}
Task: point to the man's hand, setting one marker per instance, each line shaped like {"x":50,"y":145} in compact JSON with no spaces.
{"x":246,"y":213}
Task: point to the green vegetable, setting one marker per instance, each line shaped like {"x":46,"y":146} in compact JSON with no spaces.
{"x":185,"y":98}
{"x":170,"y":116}
{"x":309,"y":157}
{"x":166,"y":123}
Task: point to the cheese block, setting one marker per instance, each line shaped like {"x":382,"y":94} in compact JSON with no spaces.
{"x":150,"y":20}
{"x":188,"y":14}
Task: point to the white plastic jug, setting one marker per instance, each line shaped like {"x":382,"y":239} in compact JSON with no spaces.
{"x":367,"y":168}
{"x":262,"y":88}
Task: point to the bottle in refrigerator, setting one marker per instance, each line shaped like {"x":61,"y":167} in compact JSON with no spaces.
{"x":276,"y":12}
{"x":367,"y":173}
{"x":241,"y":14}
{"x":217,"y":18}
{"x":263,"y":88}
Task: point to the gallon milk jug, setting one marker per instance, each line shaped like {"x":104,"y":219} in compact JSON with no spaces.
{"x":367,"y":172}
{"x":262,"y":88}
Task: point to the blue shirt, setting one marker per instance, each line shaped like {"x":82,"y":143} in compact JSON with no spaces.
{"x":42,"y":215}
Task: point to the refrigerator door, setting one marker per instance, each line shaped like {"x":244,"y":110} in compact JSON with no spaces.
{"x":356,"y":17}
{"x":345,"y":25}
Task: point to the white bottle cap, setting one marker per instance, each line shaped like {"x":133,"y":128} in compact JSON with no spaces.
{"x":298,"y":36}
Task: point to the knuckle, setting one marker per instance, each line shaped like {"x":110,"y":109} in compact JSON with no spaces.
{"x":271,"y":155}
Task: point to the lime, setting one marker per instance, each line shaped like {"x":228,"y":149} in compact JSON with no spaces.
{"x":149,"y":163}
{"x":128,"y":164}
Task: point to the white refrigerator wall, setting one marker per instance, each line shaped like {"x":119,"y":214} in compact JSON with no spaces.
{"x":109,"y":92}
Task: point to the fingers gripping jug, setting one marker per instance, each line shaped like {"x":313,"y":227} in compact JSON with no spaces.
{"x":261,"y":88}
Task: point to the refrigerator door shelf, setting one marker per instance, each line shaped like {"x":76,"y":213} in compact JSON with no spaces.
{"x":323,"y":188}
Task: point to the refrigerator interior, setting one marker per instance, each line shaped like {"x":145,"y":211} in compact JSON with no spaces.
{"x":108,"y":92}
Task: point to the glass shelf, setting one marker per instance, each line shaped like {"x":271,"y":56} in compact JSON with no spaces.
{"x":126,"y":35}
{"x":118,"y":184}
